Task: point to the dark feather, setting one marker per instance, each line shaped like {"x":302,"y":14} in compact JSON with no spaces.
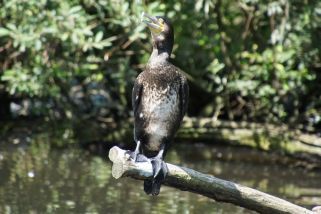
{"x":183,"y":94}
{"x":136,"y":95}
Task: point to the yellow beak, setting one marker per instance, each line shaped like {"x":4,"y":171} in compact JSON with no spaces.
{"x":155,"y":25}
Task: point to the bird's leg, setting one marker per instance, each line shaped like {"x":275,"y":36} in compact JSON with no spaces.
{"x":157,"y":163}
{"x":135,"y":155}
{"x":159,"y":173}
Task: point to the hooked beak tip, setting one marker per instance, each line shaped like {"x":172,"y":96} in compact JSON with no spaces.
{"x":149,"y":17}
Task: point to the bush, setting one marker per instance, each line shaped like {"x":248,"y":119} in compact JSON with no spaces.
{"x":252,"y":60}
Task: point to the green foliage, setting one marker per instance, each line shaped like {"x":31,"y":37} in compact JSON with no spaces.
{"x":47,"y":45}
{"x":252,"y":60}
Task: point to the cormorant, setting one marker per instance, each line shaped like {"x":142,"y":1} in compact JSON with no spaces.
{"x":159,"y":100}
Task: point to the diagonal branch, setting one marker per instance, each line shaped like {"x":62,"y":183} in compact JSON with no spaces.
{"x":190,"y":180}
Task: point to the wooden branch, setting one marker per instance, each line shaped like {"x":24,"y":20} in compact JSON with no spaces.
{"x":190,"y":180}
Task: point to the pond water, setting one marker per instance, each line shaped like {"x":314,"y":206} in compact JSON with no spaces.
{"x":40,"y":179}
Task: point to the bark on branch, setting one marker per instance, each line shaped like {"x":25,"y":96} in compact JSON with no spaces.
{"x":190,"y":180}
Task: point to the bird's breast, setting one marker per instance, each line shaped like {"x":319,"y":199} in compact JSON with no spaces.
{"x":160,"y":109}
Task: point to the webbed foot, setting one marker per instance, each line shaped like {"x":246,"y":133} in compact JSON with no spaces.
{"x":135,"y":156}
{"x":160,"y":170}
{"x":158,"y":165}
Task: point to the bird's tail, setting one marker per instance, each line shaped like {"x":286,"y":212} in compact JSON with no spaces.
{"x":152,"y":186}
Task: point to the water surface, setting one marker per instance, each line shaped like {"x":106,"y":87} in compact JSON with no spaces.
{"x":39,"y":179}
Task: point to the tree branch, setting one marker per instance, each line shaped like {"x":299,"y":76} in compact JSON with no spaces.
{"x":190,"y":180}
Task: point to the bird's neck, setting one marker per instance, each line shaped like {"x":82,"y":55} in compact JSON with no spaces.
{"x":158,"y":58}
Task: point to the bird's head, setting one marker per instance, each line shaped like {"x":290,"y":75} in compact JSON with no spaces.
{"x":162,"y":32}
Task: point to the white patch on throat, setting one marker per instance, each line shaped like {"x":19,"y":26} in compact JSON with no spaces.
{"x":157,"y":59}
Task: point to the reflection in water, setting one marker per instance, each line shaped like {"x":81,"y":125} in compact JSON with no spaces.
{"x":38,"y":179}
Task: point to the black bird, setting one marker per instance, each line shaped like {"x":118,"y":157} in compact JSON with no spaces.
{"x":159,"y":100}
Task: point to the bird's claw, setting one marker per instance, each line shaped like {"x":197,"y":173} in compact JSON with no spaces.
{"x":136,"y":157}
{"x":133,"y":155}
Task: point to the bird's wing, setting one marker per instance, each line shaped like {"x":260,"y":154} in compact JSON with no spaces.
{"x":136,"y":94}
{"x":184,"y":94}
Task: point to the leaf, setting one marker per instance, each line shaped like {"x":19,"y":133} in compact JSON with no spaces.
{"x":12,"y":27}
{"x":75,"y":9}
{"x":198,"y":5}
{"x":215,"y":66}
{"x":4,"y":32}
{"x":99,"y":36}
